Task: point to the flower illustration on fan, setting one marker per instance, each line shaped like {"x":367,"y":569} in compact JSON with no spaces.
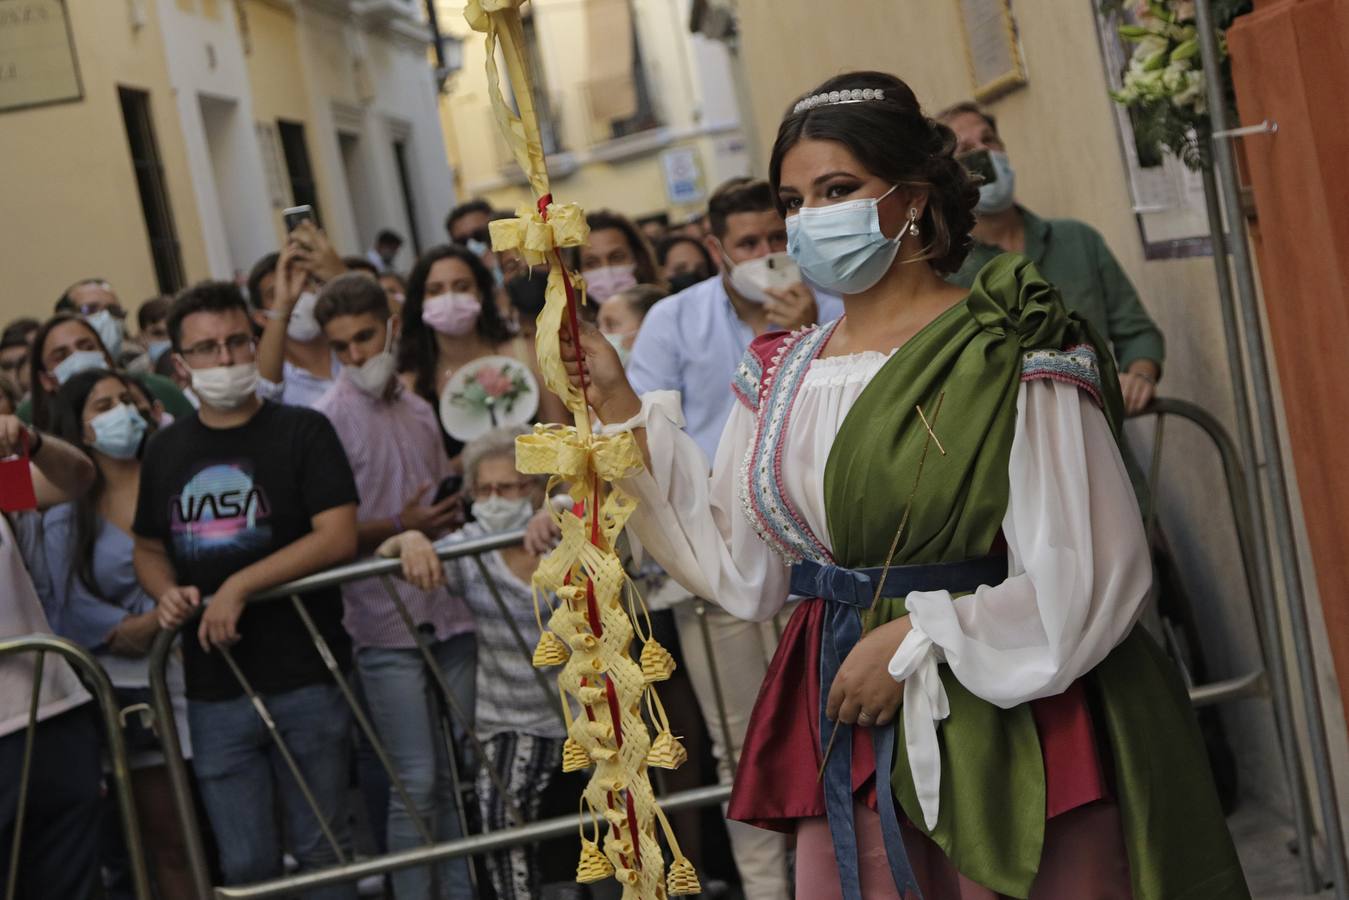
{"x":493,"y":388}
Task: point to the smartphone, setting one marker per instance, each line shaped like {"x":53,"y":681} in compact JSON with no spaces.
{"x":979,"y":164}
{"x":297,"y":214}
{"x":783,"y":272}
{"x":452,"y":485}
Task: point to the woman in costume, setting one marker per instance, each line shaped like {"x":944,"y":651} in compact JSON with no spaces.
{"x":939,"y":471}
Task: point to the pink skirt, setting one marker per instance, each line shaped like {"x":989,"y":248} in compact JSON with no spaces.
{"x":777,"y":783}
{"x":1084,"y":859}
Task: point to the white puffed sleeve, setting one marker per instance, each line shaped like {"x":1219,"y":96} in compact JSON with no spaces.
{"x":692,"y":525}
{"x":1079,"y":574}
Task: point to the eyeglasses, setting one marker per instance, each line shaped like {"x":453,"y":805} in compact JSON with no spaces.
{"x":235,"y":345}
{"x":509,"y":490}
{"x":90,"y":309}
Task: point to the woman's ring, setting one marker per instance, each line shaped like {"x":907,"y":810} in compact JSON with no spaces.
{"x":863,"y":718}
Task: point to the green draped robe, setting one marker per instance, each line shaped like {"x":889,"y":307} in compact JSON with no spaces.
{"x":992,"y":805}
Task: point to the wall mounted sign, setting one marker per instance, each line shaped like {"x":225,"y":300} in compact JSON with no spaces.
{"x":991,"y":47}
{"x":37,"y":55}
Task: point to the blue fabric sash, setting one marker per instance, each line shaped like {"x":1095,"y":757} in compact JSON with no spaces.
{"x":850,"y":592}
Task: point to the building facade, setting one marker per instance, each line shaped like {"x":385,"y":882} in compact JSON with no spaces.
{"x":639,"y":115}
{"x":196,"y":122}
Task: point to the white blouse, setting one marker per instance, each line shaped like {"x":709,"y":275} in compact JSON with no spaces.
{"x":1078,"y":559}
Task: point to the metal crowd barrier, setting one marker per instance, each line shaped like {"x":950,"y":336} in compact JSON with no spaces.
{"x":1270,"y":679}
{"x":96,"y":681}
{"x":431,"y":852}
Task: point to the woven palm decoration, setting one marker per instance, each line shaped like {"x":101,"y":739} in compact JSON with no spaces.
{"x":590,"y":630}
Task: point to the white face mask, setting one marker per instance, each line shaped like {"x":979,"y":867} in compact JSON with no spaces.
{"x":226,"y":387}
{"x":110,"y":330}
{"x":752,"y":278}
{"x":118,"y":432}
{"x":373,"y":375}
{"x":997,"y":196}
{"x":619,"y":343}
{"x":77,"y":362}
{"x":498,"y":514}
{"x":303,"y":327}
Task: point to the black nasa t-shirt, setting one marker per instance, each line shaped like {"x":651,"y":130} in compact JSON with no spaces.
{"x":222,"y":499}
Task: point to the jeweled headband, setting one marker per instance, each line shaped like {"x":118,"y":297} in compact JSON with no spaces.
{"x":833,"y":98}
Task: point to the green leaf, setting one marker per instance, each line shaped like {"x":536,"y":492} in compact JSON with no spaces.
{"x":1133,"y":32}
{"x":1185,"y":51}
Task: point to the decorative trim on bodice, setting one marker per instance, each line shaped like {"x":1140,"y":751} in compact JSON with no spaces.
{"x":747,"y":381}
{"x":1075,"y":365}
{"x":762,"y":496}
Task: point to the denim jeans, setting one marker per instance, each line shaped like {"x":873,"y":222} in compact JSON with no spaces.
{"x":403,"y":705}
{"x":241,"y":773}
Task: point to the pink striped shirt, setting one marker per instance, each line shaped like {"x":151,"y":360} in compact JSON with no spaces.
{"x":393,"y":446}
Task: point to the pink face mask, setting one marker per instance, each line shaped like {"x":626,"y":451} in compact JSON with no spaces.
{"x":603,"y":283}
{"x":452,"y":314}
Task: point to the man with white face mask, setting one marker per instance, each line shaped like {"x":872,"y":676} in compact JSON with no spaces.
{"x":393,"y":440}
{"x":242,"y":496}
{"x":94,"y":299}
{"x":692,"y":343}
{"x":1071,"y":255}
{"x":295,"y":364}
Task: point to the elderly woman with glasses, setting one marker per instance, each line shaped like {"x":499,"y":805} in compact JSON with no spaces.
{"x":517,"y":714}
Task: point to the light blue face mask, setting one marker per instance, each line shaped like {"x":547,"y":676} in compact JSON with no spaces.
{"x":77,"y":362}
{"x":110,"y":330}
{"x":999,"y":195}
{"x":118,"y":432}
{"x":841,"y":247}
{"x":156,"y":349}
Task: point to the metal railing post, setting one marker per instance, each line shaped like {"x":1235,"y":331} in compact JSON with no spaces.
{"x":95,"y":679}
{"x":180,"y":781}
{"x":1266,"y":424}
{"x":25,"y":771}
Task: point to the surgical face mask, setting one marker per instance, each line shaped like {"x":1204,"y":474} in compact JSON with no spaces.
{"x":156,"y":349}
{"x":499,"y":514}
{"x":110,"y":330}
{"x":841,"y":247}
{"x":619,"y":343}
{"x":226,"y":387}
{"x":118,"y":432}
{"x":476,"y":247}
{"x":77,"y":362}
{"x":682,"y":281}
{"x":603,"y":283}
{"x":303,"y":327}
{"x":373,"y":375}
{"x":999,"y":195}
{"x":452,"y":314}
{"x":752,"y":278}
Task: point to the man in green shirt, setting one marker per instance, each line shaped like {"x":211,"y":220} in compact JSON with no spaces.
{"x":1070,"y":254}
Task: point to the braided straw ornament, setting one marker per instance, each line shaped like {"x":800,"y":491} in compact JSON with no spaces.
{"x":590,"y":630}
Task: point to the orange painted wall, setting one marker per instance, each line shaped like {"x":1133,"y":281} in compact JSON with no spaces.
{"x":1290,"y":63}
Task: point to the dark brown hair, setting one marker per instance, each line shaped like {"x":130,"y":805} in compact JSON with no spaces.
{"x":352,"y":294}
{"x":417,"y":346}
{"x":41,"y":397}
{"x":738,"y":195}
{"x":967,"y":106}
{"x":893,"y":140}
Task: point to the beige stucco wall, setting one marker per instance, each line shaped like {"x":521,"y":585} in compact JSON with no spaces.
{"x":68,"y":201}
{"x":277,"y":81}
{"x":689,"y":80}
{"x":1061,"y":137}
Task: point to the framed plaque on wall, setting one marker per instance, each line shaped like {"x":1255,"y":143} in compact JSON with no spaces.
{"x":992,"y":48}
{"x":37,"y":55}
